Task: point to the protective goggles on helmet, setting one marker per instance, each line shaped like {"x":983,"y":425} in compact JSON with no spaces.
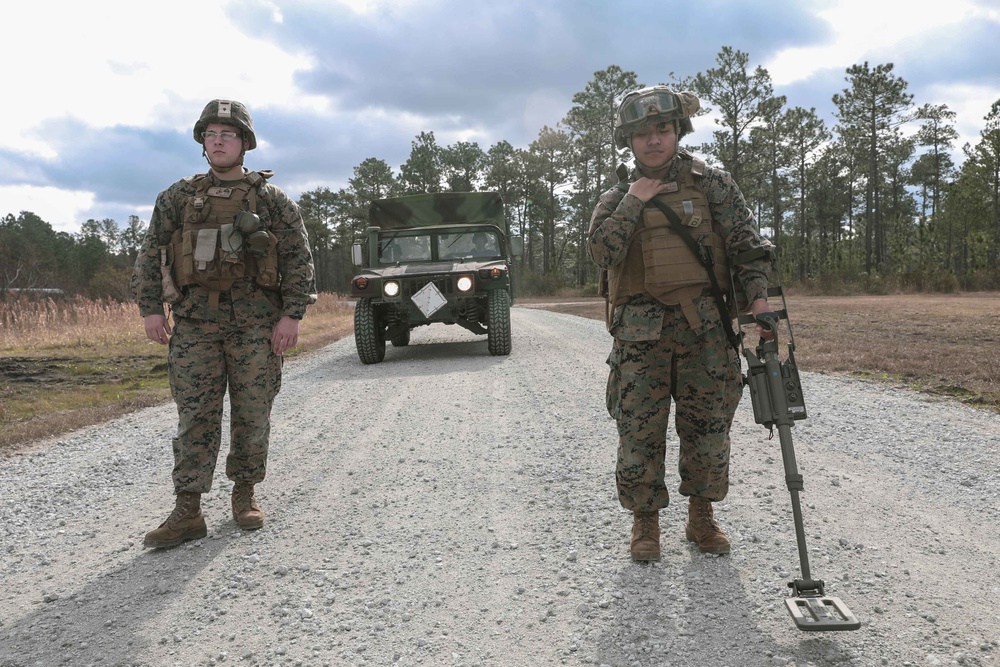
{"x":657,"y":103}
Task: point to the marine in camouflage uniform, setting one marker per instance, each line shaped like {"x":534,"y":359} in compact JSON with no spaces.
{"x":672,"y":345}
{"x":232,"y":332}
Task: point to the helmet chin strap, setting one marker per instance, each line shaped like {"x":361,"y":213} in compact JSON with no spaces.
{"x":642,"y":167}
{"x":646,"y":168}
{"x":204,"y":154}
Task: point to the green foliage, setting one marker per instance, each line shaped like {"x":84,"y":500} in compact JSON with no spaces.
{"x":423,"y":171}
{"x":33,"y":255}
{"x":744,"y":99}
{"x":539,"y":284}
{"x":983,"y":280}
{"x":462,"y":165}
{"x":871,"y":112}
{"x":111,"y":283}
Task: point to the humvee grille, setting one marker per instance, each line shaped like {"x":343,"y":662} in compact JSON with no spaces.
{"x":411,"y":286}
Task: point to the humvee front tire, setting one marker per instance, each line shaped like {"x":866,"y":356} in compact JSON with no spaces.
{"x":498,"y":322}
{"x":369,"y":332}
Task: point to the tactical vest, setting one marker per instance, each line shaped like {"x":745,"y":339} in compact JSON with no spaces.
{"x":658,"y":261}
{"x":209,"y":250}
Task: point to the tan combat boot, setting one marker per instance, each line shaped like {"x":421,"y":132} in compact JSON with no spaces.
{"x":246,"y":512}
{"x":645,"y":544}
{"x":703,"y":529}
{"x":186,"y":522}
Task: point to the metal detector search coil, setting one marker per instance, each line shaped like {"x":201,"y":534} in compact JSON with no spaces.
{"x":821,"y":613}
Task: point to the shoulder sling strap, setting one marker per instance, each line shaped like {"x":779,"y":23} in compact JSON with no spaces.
{"x":705,"y":257}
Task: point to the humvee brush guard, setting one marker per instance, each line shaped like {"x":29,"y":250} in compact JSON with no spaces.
{"x":440,"y":257}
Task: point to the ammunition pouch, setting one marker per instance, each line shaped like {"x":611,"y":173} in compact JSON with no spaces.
{"x":223,"y":240}
{"x":266,"y":263}
{"x":171,"y":294}
{"x":211,"y":257}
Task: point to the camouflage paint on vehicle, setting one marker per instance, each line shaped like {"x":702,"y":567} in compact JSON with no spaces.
{"x":439,"y":257}
{"x":439,"y":208}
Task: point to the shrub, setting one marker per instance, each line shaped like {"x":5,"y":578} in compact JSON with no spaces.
{"x":539,"y":284}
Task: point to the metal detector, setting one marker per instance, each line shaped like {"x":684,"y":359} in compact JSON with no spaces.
{"x":776,"y":394}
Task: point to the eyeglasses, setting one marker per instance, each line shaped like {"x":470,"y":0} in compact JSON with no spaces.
{"x":225,"y":136}
{"x":658,"y":103}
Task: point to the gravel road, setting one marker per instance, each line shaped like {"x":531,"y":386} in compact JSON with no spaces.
{"x":447,"y":507}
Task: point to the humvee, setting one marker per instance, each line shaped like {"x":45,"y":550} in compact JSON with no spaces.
{"x":440,"y":257}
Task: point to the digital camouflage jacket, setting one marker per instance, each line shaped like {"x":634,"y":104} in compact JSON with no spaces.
{"x":613,"y":227}
{"x":246,"y":303}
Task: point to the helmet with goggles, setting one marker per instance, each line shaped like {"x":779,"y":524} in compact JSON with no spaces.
{"x":656,"y":104}
{"x":226,"y":112}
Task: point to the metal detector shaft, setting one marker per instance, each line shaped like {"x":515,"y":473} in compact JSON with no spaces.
{"x":776,"y":393}
{"x":778,"y":383}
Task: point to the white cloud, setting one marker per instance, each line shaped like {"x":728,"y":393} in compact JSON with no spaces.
{"x":60,"y":208}
{"x":971,"y":104}
{"x":544,"y":107}
{"x":147,"y":64}
{"x":371,"y":7}
{"x":859,"y":29}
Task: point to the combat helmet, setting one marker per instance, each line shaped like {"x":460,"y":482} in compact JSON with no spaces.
{"x":227,"y":112}
{"x":654,"y":104}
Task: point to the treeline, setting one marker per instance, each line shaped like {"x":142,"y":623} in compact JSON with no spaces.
{"x":872,"y":204}
{"x":96,"y":262}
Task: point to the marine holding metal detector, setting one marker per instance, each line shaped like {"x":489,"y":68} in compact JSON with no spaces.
{"x":776,"y":394}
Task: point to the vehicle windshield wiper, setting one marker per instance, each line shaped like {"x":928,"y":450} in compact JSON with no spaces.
{"x":386,"y":244}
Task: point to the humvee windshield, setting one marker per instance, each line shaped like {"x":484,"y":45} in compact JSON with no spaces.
{"x":409,"y":248}
{"x":477,"y":244}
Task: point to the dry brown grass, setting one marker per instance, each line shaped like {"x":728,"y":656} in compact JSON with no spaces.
{"x":65,"y":365}
{"x":328,"y":320}
{"x":944,"y":344}
{"x":31,"y":326}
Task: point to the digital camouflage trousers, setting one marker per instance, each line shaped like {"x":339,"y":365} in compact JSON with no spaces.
{"x":702,"y":375}
{"x":205,"y":359}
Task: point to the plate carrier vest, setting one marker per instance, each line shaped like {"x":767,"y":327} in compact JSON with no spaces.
{"x":209,"y":250}
{"x":658,"y":261}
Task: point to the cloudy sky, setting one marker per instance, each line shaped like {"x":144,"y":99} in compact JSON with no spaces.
{"x":100,"y":97}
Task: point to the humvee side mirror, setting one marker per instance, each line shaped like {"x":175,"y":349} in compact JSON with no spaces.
{"x":356,"y":257}
{"x":516,"y":246}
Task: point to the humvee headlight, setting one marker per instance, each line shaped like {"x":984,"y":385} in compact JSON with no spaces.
{"x":464,"y":284}
{"x":391,"y":288}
